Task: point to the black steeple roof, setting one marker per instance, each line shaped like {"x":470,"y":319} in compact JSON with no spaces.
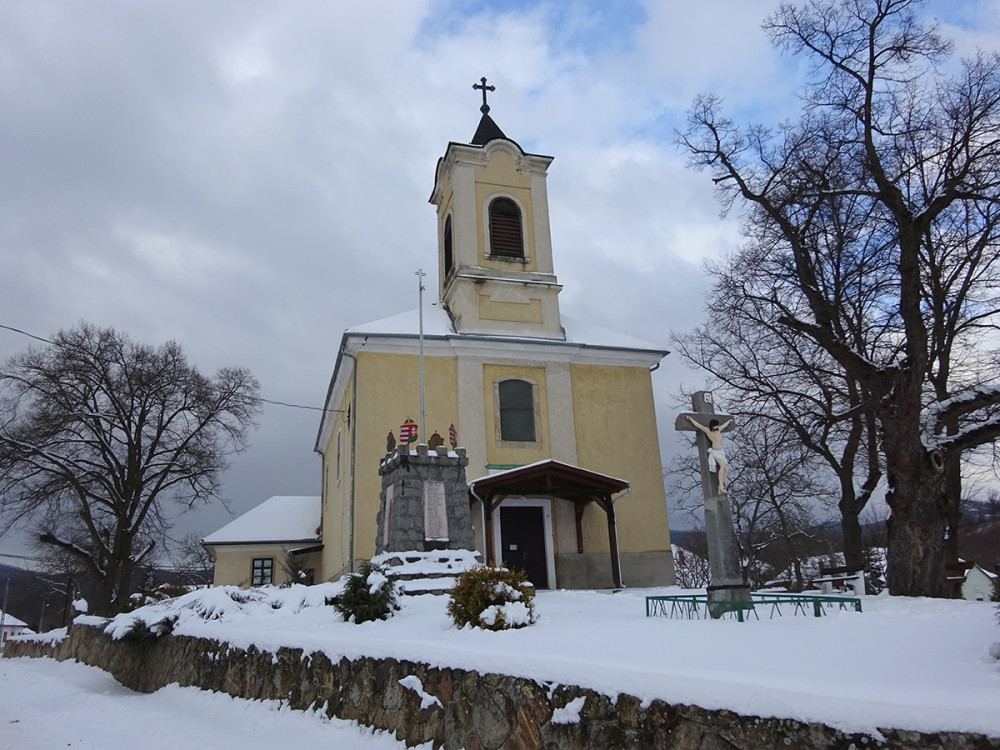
{"x":487,"y":131}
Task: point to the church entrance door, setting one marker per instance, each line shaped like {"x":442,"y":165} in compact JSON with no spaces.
{"x":522,"y":542}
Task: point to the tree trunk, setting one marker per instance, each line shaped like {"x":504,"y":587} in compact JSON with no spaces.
{"x":104,"y":606}
{"x":798,"y":583}
{"x":953,"y":512}
{"x":850,"y":526}
{"x":915,"y":558}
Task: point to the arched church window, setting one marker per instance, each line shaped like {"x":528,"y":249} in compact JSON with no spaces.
{"x":517,"y":410}
{"x":448,"y":259}
{"x":506,"y":239}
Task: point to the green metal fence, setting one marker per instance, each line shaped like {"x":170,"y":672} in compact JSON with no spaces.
{"x":697,"y":606}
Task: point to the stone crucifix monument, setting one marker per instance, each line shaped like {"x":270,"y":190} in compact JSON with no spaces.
{"x":723,"y":553}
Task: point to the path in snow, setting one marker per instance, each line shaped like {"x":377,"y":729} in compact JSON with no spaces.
{"x":45,"y":704}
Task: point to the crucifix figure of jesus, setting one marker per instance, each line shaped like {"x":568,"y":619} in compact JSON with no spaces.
{"x":715,"y":450}
{"x":712,"y":455}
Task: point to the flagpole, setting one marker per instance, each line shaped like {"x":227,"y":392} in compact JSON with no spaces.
{"x":420,"y":294}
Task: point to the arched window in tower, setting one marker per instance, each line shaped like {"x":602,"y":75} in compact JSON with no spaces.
{"x":517,"y":410}
{"x":448,"y":259}
{"x":506,"y":240}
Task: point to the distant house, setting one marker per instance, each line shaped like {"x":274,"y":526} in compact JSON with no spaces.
{"x":11,"y":626}
{"x":971,"y":582}
{"x":266,"y":544}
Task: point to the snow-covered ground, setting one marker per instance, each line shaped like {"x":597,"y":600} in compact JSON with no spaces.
{"x":45,"y":704}
{"x":920,"y":664}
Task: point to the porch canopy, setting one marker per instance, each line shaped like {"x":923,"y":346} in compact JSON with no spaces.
{"x":552,"y":478}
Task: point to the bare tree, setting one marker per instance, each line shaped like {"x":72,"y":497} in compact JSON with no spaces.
{"x":104,"y":440}
{"x":691,"y":566}
{"x":897,"y":162}
{"x":777,"y":491}
{"x":193,"y":561}
{"x":755,"y":361}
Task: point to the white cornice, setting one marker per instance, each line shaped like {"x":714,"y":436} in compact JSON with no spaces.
{"x":506,"y":347}
{"x":334,"y":395}
{"x":479,"y":346}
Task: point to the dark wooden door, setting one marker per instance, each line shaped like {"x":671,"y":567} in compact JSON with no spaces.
{"x":522,"y":542}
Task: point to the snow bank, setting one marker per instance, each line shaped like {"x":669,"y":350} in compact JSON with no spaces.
{"x":921,"y":664}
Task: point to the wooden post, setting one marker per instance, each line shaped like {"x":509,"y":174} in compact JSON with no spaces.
{"x":488,"y":531}
{"x":580,"y":507}
{"x":616,"y":571}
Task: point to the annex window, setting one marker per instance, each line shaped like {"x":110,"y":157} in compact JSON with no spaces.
{"x":517,"y":410}
{"x":506,"y":239}
{"x":448,"y":252}
{"x":262,"y":572}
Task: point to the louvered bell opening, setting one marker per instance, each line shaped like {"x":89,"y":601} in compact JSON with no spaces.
{"x":448,"y":260}
{"x":517,"y":411}
{"x":505,"y":229}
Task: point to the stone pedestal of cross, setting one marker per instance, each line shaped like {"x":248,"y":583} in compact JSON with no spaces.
{"x":723,"y":552}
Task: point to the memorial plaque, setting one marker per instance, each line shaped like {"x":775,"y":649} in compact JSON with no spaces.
{"x":435,"y":512}
{"x":387,"y":515}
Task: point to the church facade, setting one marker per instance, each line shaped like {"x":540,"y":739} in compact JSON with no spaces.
{"x":507,"y":377}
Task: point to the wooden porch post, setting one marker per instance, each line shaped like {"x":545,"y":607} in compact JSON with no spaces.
{"x":580,"y":507}
{"x":488,"y":532}
{"x":616,"y":572}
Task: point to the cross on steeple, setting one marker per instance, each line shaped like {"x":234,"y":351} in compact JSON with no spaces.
{"x":482,"y":85}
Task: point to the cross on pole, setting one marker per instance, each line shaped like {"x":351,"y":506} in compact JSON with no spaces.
{"x":723,"y":551}
{"x":482,"y":85}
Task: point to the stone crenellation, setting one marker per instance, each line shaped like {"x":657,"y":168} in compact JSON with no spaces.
{"x":474,"y":711}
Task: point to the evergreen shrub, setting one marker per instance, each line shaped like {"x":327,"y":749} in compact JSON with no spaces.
{"x":368,"y":595}
{"x":140,"y":631}
{"x":492,"y":599}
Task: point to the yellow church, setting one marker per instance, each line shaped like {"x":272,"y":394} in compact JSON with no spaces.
{"x":510,"y":380}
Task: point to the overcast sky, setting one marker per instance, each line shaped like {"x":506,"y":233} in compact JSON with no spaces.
{"x":251,"y":178}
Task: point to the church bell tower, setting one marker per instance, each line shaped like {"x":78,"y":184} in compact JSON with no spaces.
{"x":494,"y":246}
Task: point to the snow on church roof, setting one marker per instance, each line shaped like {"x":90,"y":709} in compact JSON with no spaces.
{"x":438,"y":323}
{"x":282,"y":518}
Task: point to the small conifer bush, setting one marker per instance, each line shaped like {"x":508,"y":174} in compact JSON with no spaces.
{"x":368,"y":595}
{"x":492,"y":598}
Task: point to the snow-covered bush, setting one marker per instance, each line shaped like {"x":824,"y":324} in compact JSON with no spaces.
{"x":222,"y":603}
{"x":150,"y":595}
{"x":492,"y":598}
{"x":368,"y":595}
{"x":141,"y":630}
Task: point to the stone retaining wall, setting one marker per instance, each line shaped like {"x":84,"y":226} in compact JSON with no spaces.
{"x":472,"y":710}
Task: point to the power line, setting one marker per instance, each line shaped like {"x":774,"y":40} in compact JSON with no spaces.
{"x":25,"y":333}
{"x":298,"y":406}
{"x":265,"y":400}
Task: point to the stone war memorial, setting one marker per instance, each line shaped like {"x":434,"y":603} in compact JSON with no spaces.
{"x":424,"y":503}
